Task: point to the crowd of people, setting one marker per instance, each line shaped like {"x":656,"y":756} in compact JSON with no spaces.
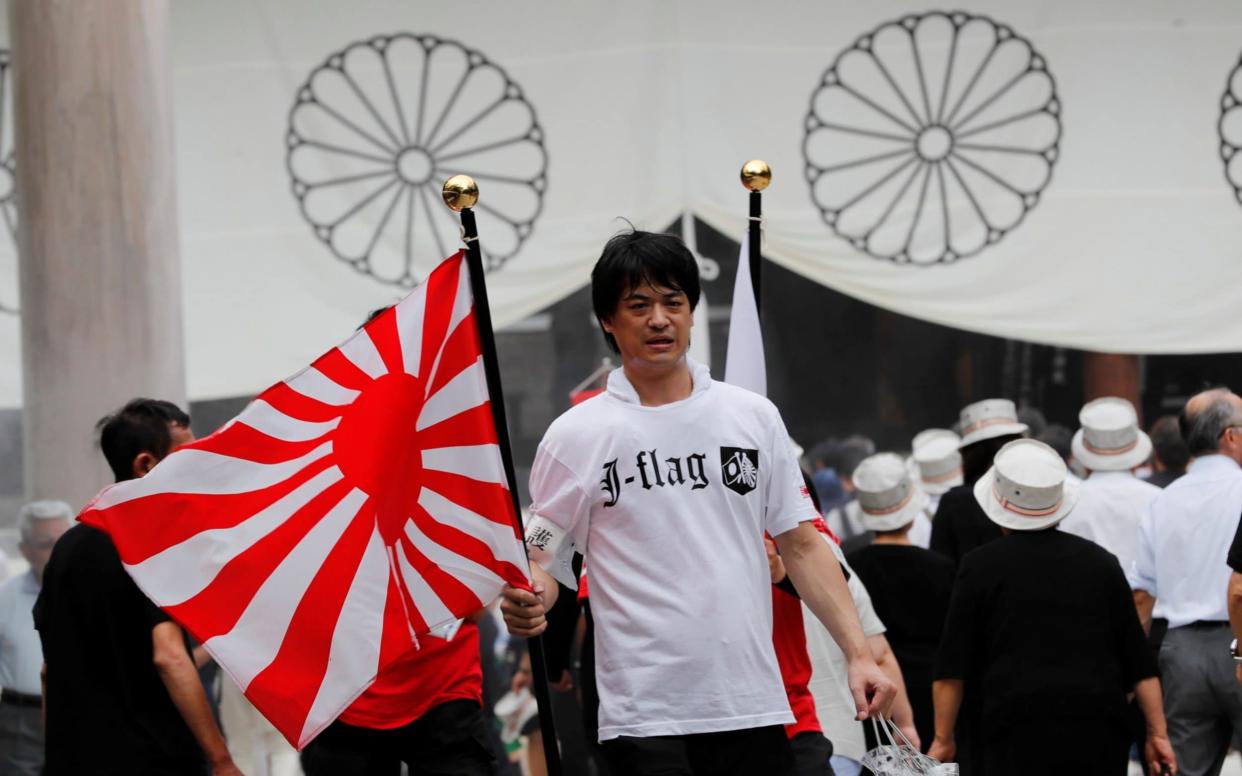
{"x":1008,"y":595}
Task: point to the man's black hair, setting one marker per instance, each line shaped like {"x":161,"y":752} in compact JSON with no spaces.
{"x":377,"y":312}
{"x":977,"y":456}
{"x":633,"y":258}
{"x":141,"y":426}
{"x":1167,"y":442}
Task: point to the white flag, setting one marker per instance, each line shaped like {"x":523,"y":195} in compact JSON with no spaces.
{"x":744,"y":364}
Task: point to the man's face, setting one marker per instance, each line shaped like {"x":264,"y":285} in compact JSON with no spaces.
{"x":651,"y":324}
{"x":1231,"y":437}
{"x":43,"y":536}
{"x":181,"y":436}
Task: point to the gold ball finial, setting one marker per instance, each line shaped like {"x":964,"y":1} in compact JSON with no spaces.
{"x":756,"y":175}
{"x":460,"y":192}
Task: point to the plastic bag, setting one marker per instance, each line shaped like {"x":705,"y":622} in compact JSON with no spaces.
{"x":898,"y":757}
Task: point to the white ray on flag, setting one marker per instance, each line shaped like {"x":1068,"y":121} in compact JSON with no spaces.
{"x":462,"y":305}
{"x":187,"y":568}
{"x":313,"y":384}
{"x":430,"y":607}
{"x":255,"y":639}
{"x":478,"y":462}
{"x":204,"y":473}
{"x":744,"y":363}
{"x":457,"y":516}
{"x":263,"y":417}
{"x":410,"y":328}
{"x":361,"y":351}
{"x":464,"y":392}
{"x":481,"y":581}
{"x":353,"y":658}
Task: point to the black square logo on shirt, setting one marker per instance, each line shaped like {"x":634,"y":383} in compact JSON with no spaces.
{"x":739,"y":467}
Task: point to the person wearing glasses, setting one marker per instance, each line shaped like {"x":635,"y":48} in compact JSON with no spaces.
{"x":1181,"y":567}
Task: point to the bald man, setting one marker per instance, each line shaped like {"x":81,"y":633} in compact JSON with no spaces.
{"x":1183,"y":546}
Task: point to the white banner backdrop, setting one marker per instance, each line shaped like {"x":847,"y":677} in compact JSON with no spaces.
{"x":1052,"y":171}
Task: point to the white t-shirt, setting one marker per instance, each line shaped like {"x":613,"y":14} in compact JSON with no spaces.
{"x":669,"y":504}
{"x":1110,"y":505}
{"x":830,"y":686}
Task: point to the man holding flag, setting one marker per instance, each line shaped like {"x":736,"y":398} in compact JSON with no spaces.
{"x":668,"y":482}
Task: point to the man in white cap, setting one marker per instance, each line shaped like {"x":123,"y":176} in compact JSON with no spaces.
{"x":1042,"y":628}
{"x":1110,"y":447}
{"x":960,"y":525}
{"x":909,"y":586}
{"x":1182,"y":563}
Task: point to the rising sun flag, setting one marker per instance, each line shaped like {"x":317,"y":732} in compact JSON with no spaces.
{"x":344,"y":513}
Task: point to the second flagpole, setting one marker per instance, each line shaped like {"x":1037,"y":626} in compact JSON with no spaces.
{"x":460,"y":194}
{"x":756,"y":175}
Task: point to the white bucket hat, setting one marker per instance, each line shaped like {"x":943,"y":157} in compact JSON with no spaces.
{"x":1025,"y":490}
{"x":938,"y":464}
{"x":989,"y":419}
{"x":886,"y":495}
{"x":1110,"y":439}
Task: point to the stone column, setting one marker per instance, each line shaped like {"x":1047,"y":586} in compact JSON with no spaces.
{"x":100,"y":278}
{"x":1112,"y":374}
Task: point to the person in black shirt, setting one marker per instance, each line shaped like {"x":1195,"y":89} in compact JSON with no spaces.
{"x":121,"y":692}
{"x":909,"y":586}
{"x":960,"y":525}
{"x":1043,"y":627}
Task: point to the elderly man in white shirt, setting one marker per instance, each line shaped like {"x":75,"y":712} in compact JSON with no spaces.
{"x":1183,"y":543}
{"x":1112,"y":499}
{"x":40,"y":524}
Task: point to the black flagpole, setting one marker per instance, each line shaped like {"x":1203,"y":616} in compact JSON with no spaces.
{"x":460,"y":193}
{"x":754,"y":244}
{"x":756,"y":175}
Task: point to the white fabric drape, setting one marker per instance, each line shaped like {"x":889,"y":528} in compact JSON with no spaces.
{"x":648,"y":109}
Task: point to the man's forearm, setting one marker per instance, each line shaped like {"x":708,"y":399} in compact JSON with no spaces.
{"x":1151,"y":702}
{"x":817,"y":576}
{"x":1145,"y":603}
{"x":947,"y":699}
{"x":1235,"y":604}
{"x":180,"y":678}
{"x":551,"y":590}
{"x":902,"y":712}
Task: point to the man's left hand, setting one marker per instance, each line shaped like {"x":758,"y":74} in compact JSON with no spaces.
{"x":873,"y":691}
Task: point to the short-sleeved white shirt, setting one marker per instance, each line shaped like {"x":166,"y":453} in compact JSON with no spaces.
{"x":21,"y":653}
{"x":669,"y":504}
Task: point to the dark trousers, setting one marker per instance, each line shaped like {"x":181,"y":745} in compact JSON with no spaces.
{"x":1202,"y":699}
{"x":449,"y":740}
{"x":21,"y":740}
{"x":811,"y":753}
{"x":749,"y":752}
